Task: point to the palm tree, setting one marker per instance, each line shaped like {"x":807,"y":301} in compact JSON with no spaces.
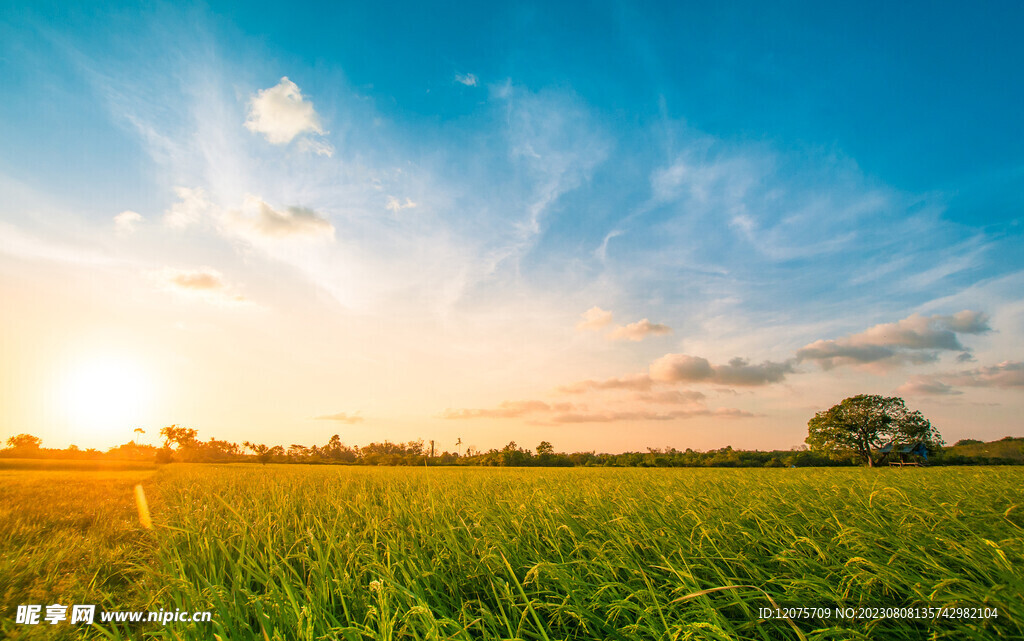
{"x":458,"y":443}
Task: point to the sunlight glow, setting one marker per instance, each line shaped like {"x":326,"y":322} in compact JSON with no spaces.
{"x":106,"y":396}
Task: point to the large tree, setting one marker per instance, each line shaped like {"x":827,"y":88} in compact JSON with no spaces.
{"x":864,"y":423}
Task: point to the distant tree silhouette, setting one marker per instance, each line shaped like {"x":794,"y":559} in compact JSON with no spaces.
{"x":190,"y":448}
{"x":513,"y":456}
{"x":262,"y":451}
{"x":24,"y":442}
{"x":183,"y":437}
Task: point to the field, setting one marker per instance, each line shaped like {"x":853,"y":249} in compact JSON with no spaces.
{"x":318,"y":552}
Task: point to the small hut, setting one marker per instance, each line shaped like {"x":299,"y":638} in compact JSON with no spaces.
{"x":901,"y":454}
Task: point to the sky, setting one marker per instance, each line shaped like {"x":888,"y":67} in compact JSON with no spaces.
{"x":610,"y":226}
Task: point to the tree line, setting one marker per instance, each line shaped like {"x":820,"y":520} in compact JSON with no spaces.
{"x":183,"y":445}
{"x":864,"y":429}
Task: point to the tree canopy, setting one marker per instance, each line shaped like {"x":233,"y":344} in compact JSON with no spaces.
{"x":24,"y":442}
{"x":863,"y":423}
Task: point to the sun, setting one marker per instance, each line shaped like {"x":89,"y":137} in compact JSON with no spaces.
{"x":106,"y":397}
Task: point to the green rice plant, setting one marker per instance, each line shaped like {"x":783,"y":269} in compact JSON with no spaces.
{"x":323,"y":552}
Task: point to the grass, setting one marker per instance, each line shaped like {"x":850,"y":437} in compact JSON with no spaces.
{"x":296,"y":552}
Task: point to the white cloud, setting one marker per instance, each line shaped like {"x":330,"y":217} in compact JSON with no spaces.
{"x":192,"y":207}
{"x":126,"y":221}
{"x":394,"y":205}
{"x":481,"y":196}
{"x":203,"y":280}
{"x":467,"y":79}
{"x":925,"y":386}
{"x":594,"y":319}
{"x":256,"y":217}
{"x":677,"y":368}
{"x":965,"y":322}
{"x":204,"y":283}
{"x":638,"y":331}
{"x":436,"y":258}
{"x":916,"y":339}
{"x":281,"y":113}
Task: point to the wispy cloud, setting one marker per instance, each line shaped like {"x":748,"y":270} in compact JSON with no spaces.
{"x":192,"y":207}
{"x":925,"y":386}
{"x":766,"y":217}
{"x":507,"y":409}
{"x":340,"y":417}
{"x":542,"y":145}
{"x":631,"y":416}
{"x":468,"y":79}
{"x":601,"y":253}
{"x":674,"y":397}
{"x":555,"y":139}
{"x":636,"y":382}
{"x":19,"y":243}
{"x":1005,"y":375}
{"x":690,"y":406}
{"x":394,"y":205}
{"x":316,"y":146}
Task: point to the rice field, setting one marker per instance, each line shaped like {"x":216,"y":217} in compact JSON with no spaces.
{"x":318,"y":552}
{"x":69,"y":533}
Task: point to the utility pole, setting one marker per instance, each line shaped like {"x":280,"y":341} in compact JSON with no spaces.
{"x":431,"y":448}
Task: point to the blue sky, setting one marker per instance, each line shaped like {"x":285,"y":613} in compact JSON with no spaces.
{"x":405,"y":214}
